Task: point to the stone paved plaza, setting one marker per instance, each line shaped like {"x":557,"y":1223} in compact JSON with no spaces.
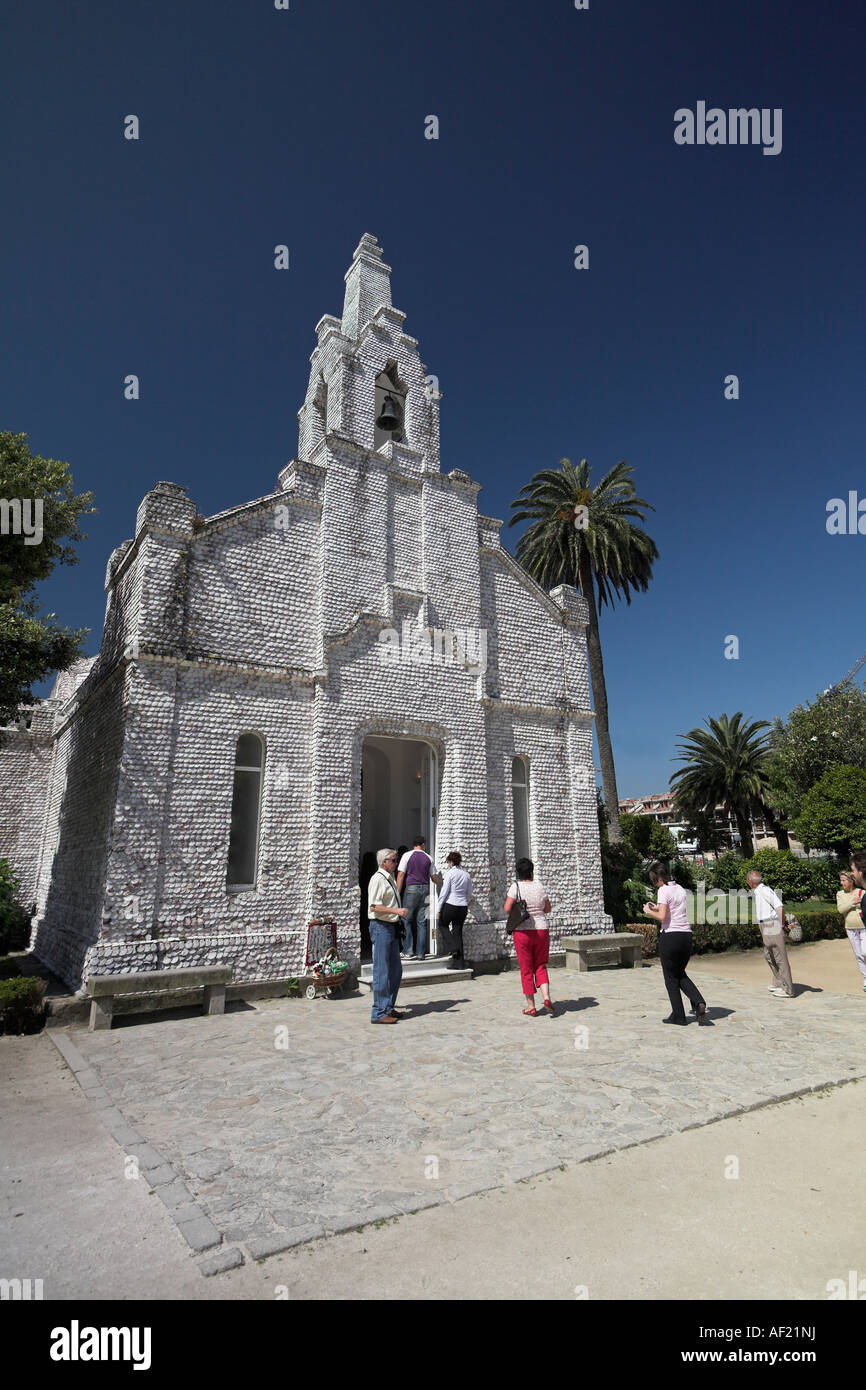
{"x":292,"y":1119}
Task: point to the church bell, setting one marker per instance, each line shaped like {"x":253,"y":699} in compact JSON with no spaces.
{"x":389,"y":418}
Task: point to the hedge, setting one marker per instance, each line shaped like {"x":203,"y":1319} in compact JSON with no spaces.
{"x":740,"y":936}
{"x":794,"y":879}
{"x":22,"y":1009}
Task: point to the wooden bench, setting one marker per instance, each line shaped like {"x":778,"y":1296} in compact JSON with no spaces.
{"x":154,"y":986}
{"x":603,"y":948}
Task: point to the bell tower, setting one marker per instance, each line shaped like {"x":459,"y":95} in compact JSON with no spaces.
{"x":368,"y":286}
{"x":368,"y":387}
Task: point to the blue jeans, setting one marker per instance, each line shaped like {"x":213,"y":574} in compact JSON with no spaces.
{"x":415,"y":901}
{"x":387,"y":970}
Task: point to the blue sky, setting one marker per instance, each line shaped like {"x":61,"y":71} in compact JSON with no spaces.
{"x":306,"y":127}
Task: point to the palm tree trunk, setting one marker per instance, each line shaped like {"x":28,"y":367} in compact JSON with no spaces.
{"x":599,"y":700}
{"x":744,"y":825}
{"x":776,"y":827}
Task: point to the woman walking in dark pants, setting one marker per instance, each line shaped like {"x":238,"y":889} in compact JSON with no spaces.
{"x":454,"y":897}
{"x":675,"y":944}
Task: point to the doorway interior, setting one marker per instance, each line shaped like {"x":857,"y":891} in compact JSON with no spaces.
{"x":399,"y":781}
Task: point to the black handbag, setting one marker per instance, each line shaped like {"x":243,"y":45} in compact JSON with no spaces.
{"x":518,"y":914}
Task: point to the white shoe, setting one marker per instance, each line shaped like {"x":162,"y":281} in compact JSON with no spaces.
{"x":772,"y":988}
{"x":781,"y":994}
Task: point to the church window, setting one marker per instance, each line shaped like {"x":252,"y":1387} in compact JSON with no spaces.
{"x":246,"y":812}
{"x":520,"y":802}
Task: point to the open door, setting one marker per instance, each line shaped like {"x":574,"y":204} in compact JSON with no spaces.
{"x":399,"y":791}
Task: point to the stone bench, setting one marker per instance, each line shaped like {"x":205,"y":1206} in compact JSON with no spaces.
{"x":604,"y":948}
{"x":154,"y":986}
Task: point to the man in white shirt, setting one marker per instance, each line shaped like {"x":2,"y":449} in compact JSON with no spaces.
{"x":385,"y":913}
{"x":770,"y":916}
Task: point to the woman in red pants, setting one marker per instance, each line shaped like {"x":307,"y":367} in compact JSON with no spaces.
{"x":532,"y":940}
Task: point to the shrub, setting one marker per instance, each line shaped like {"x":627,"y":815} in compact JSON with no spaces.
{"x":636,"y":894}
{"x":825,"y":877}
{"x":618,"y":863}
{"x":727,"y":872}
{"x":650,"y":933}
{"x":14,"y":922}
{"x":790,"y":877}
{"x":683,"y":872}
{"x":820,"y":926}
{"x":740,"y":936}
{"x":22,"y":1009}
{"x":724,"y":936}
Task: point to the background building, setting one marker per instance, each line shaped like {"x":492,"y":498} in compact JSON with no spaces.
{"x":660,"y":806}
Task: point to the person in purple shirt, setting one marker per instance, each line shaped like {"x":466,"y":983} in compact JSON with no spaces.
{"x":675,"y":944}
{"x":413,"y":883}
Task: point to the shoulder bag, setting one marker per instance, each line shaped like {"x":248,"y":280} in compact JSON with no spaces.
{"x":519,"y":913}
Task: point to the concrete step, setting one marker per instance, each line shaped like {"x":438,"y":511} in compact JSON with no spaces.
{"x":431,"y":971}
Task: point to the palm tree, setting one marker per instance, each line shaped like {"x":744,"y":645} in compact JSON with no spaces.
{"x":725,"y":764}
{"x":585,"y":536}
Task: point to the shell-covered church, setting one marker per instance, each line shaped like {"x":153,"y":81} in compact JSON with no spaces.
{"x":287,"y":686}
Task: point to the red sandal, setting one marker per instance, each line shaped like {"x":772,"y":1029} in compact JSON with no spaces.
{"x":549,"y":1006}
{"x":533,"y":1013}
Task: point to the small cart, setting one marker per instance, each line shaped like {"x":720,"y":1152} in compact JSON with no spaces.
{"x":321,"y":952}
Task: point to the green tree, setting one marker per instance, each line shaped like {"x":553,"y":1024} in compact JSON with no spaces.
{"x":586,"y":536}
{"x":662,"y":844}
{"x":724,"y":764}
{"x":636,"y":832}
{"x":833,"y":812}
{"x":828,"y":732}
{"x":33,"y":644}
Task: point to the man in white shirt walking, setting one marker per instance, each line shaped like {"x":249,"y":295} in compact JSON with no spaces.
{"x":770,"y":916}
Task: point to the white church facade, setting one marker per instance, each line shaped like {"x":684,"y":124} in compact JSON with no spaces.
{"x":289,"y":685}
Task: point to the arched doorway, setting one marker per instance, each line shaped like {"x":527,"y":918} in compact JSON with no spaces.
{"x":399,"y":800}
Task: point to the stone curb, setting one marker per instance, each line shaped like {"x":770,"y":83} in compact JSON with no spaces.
{"x":191,"y":1221}
{"x":220,"y":1262}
